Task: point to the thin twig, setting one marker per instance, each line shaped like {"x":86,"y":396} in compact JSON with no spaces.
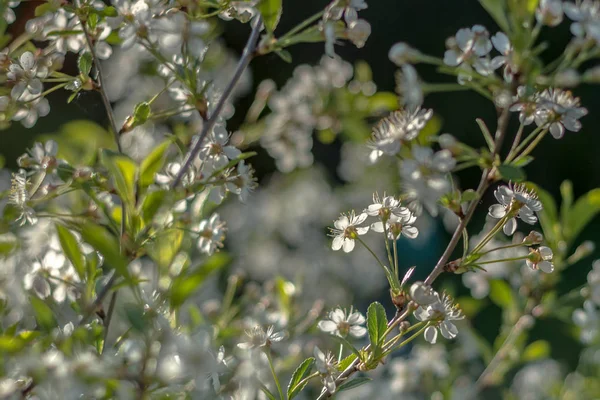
{"x":247,"y":55}
{"x":105,"y":100}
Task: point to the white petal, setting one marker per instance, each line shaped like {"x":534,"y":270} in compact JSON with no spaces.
{"x":348,"y":245}
{"x":377,"y":226}
{"x":431,"y":334}
{"x":510,"y":227}
{"x":448,"y":330}
{"x":327,"y":326}
{"x":358,"y":331}
{"x":546,"y":266}
{"x":337,"y":243}
{"x":27,"y":60}
{"x":410,"y":232}
{"x":497,"y":211}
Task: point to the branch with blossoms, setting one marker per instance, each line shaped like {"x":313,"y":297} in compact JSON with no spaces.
{"x":218,"y":300}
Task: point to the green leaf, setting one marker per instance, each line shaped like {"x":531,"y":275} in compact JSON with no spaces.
{"x":107,"y":245}
{"x":8,"y":242}
{"x":521,"y":162}
{"x":165,"y":247}
{"x":376,"y":323}
{"x":271,"y":12}
{"x":153,"y":163}
{"x":431,"y":128}
{"x":123,"y":171}
{"x":497,"y":10}
{"x":110,"y":11}
{"x":536,"y":350}
{"x":84,"y":63}
{"x":581,"y":214}
{"x":511,"y":173}
{"x":70,"y":247}
{"x":346,"y":362}
{"x":468,"y":196}
{"x":136,"y":316}
{"x":284,"y":55}
{"x":44,"y":8}
{"x":185,"y":285}
{"x":300,"y":373}
{"x":566,"y":191}
{"x":43,"y":314}
{"x":11,"y":344}
{"x":501,"y":293}
{"x":381,"y":102}
{"x":353,"y":383}
{"x":151,"y":204}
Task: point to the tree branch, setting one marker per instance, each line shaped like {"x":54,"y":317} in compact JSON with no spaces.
{"x":245,"y":59}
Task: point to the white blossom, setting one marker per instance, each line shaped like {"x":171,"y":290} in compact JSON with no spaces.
{"x":515,"y":201}
{"x":593,"y":280}
{"x":211,"y":234}
{"x":26,"y":74}
{"x":559,"y":110}
{"x":442,"y":312}
{"x":341,"y":323}
{"x":586,"y":18}
{"x":540,"y":258}
{"x":346,"y":231}
{"x":549,"y":12}
{"x":257,"y":337}
{"x":394,"y":130}
{"x":326,"y":366}
{"x":588,"y":320}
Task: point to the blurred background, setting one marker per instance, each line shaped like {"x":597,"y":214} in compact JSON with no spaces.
{"x":425,"y":25}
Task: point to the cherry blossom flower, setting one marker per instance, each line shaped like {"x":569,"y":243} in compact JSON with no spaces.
{"x":540,"y":258}
{"x":549,"y":12}
{"x":442,"y":312}
{"x":559,"y":110}
{"x":586,"y":17}
{"x":347,"y":230}
{"x":211,"y":234}
{"x":257,"y":338}
{"x":342,"y":323}
{"x":26,"y":74}
{"x":515,"y":201}
{"x":326,"y":366}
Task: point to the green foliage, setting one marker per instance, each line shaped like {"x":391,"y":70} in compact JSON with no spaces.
{"x":537,"y":350}
{"x":43,"y":314}
{"x":123,"y":171}
{"x":501,"y":294}
{"x":354,"y":383}
{"x":84,"y":63}
{"x":376,"y":324}
{"x":70,"y":247}
{"x":186,"y":284}
{"x":271,"y":12}
{"x":107,"y":245}
{"x":153,"y":163}
{"x":511,"y":173}
{"x":303,"y":370}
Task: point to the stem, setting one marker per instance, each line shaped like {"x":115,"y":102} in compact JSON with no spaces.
{"x":387,"y":271}
{"x":516,"y":141}
{"x":443,"y":87}
{"x":111,"y":309}
{"x":532,"y":145}
{"x":387,"y":247}
{"x":483,"y":185}
{"x":502,"y":248}
{"x":502,"y":352}
{"x":275,"y":378}
{"x":247,"y":55}
{"x":528,"y":139}
{"x":105,"y":100}
{"x":490,"y":234}
{"x":503,"y":260}
{"x":302,"y":25}
{"x":341,"y":353}
{"x":404,"y":343}
{"x":396,"y":259}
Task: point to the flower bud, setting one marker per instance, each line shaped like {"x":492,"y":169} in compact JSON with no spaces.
{"x":401,"y":53}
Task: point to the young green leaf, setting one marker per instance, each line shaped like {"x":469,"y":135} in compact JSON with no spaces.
{"x":153,"y":163}
{"x":501,"y":293}
{"x":353,"y":383}
{"x":299,"y":374}
{"x":511,"y":173}
{"x":536,"y":350}
{"x":345,"y":363}
{"x":376,"y":323}
{"x":107,"y":245}
{"x":582,"y":213}
{"x":123,"y":171}
{"x":43,"y":314}
{"x":84,"y":63}
{"x":70,"y":247}
{"x":185,"y":285}
{"x":271,"y":12}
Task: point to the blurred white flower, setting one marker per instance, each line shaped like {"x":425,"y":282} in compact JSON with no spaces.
{"x":586,"y":18}
{"x":593,"y":280}
{"x":211,"y":234}
{"x":549,"y":12}
{"x":588,"y":320}
{"x":257,"y":337}
{"x":342,"y":323}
